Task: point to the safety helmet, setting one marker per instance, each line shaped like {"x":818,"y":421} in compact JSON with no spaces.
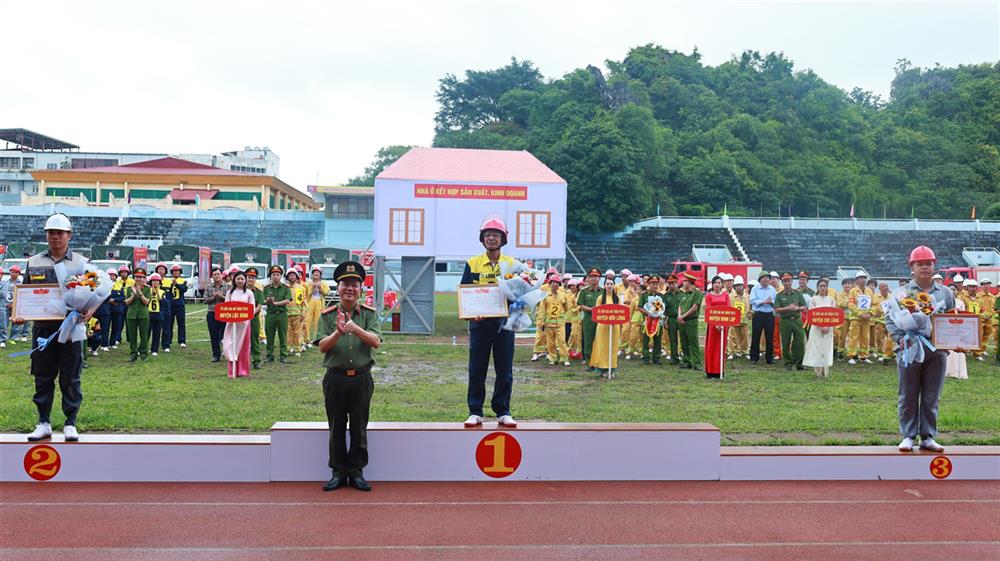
{"x":626,"y":273}
{"x":494,"y":222}
{"x":123,"y":268}
{"x":738,"y":280}
{"x":15,"y":269}
{"x":970,"y":282}
{"x":861,"y":275}
{"x":160,"y":264}
{"x":937,"y":276}
{"x":112,"y":271}
{"x":922,"y":253}
{"x":155,"y":276}
{"x":58,"y":221}
{"x":958,"y":278}
{"x":176,"y":267}
{"x":315,"y":268}
{"x":609,"y":272}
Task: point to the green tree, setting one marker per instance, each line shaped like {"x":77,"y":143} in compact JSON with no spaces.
{"x":385,"y":157}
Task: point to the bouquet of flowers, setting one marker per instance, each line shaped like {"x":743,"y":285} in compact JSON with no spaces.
{"x":912,"y":314}
{"x":655,"y":308}
{"x":521,"y":286}
{"x":81,"y":294}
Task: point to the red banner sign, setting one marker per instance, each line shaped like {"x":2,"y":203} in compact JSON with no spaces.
{"x":825,"y":317}
{"x":231,"y":312}
{"x":725,"y":316}
{"x":498,"y":192}
{"x":610,"y":314}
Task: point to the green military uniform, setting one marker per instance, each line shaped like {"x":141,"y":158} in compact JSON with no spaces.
{"x":657,"y":337}
{"x":137,"y":321}
{"x":348,"y":384}
{"x":689,"y":329}
{"x":793,"y":336}
{"x":672,"y":299}
{"x":588,"y":297}
{"x":276,"y":321}
{"x":258,"y":297}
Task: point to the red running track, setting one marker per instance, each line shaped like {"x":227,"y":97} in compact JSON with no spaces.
{"x":504,"y":521}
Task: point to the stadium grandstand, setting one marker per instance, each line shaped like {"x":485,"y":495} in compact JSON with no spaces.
{"x":651,"y":245}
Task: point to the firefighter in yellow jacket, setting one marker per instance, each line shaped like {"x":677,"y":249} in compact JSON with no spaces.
{"x":859,"y":312}
{"x":973,"y":304}
{"x":573,"y":318}
{"x":539,"y":348}
{"x":553,"y":321}
{"x":986,"y":301}
{"x":316,"y":292}
{"x":840,"y":332}
{"x":739,"y":335}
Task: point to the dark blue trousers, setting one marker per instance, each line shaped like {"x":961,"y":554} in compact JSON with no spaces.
{"x":155,"y":331}
{"x":117,"y":324}
{"x":176,"y":317}
{"x":104,"y":337}
{"x":165,"y":317}
{"x":486,"y":337}
{"x":216,"y":329}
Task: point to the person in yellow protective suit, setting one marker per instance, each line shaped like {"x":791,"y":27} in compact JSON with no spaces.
{"x":316,"y":292}
{"x":296,"y":311}
{"x":877,"y":314}
{"x":573,"y":318}
{"x":626,"y":277}
{"x":739,"y":335}
{"x":879,"y":333}
{"x":840,"y":332}
{"x":628,"y":297}
{"x":553,"y":321}
{"x":539,"y":349}
{"x":634,"y":344}
{"x":859,"y":312}
{"x":973,"y":305}
{"x":986,"y":301}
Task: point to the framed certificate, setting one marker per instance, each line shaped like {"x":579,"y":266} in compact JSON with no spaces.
{"x":32,"y":302}
{"x":955,"y":331}
{"x":481,"y":300}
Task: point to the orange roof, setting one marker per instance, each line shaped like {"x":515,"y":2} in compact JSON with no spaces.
{"x":462,"y":164}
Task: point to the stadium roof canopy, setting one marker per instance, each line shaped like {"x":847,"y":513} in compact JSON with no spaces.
{"x":34,"y":141}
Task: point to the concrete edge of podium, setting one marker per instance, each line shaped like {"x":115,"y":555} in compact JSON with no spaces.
{"x":297,"y":451}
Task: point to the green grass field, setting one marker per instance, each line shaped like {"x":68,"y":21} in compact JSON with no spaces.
{"x":424,"y":379}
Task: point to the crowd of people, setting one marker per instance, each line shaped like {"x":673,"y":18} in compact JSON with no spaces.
{"x":772,"y":321}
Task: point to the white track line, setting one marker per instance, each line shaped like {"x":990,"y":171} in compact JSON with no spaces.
{"x":502,"y":503}
{"x":481,"y":547}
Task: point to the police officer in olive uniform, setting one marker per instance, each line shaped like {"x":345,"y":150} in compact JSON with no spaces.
{"x":688,"y":308}
{"x":789,"y":305}
{"x":258,"y":297}
{"x":350,"y":334}
{"x":277,"y":296}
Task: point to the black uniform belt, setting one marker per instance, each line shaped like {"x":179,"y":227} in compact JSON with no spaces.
{"x":350,"y":372}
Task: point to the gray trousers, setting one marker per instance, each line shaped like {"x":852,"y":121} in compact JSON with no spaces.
{"x":919,"y":390}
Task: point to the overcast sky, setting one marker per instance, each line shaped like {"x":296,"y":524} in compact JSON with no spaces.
{"x":326,"y":84}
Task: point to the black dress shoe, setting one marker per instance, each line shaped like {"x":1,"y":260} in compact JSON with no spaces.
{"x":359,"y":483}
{"x":335,"y":482}
{"x":256,"y":366}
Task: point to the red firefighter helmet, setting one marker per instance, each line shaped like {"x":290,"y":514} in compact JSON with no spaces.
{"x":494,"y":222}
{"x":922,"y":253}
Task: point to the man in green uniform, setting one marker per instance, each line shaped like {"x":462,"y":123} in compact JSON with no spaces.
{"x":672,"y":299}
{"x":276,"y":297}
{"x":689,"y":306}
{"x":351,"y":333}
{"x":652,"y":289}
{"x":258,"y":297}
{"x":804,"y":285}
{"x":587,"y":299}
{"x":789,"y":305}
{"x":137,"y":317}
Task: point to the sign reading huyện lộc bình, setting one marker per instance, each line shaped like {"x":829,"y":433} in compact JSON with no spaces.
{"x":230,"y":312}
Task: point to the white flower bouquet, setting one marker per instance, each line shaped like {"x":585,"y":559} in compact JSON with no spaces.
{"x":912,"y":314}
{"x":81,"y":295}
{"x":521,"y":286}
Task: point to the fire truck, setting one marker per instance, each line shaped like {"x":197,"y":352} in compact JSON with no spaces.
{"x":711,"y":260}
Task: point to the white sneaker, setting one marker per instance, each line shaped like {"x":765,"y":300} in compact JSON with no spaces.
{"x":628,"y":357}
{"x":867,"y":361}
{"x":3,"y":345}
{"x":24,"y":339}
{"x":93,"y":353}
{"x":183,"y":345}
{"x":473,"y":421}
{"x":166,"y":350}
{"x":906,"y":445}
{"x":71,"y":434}
{"x":507,"y":421}
{"x":114,"y":346}
{"x":298,"y":354}
{"x":929,"y":444}
{"x":41,"y":432}
{"x":730,"y":357}
{"x":534,"y":358}
{"x":852,"y":361}
{"x":105,"y":349}
{"x":980,"y":358}
{"x":566,"y":363}
{"x":153,"y":354}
